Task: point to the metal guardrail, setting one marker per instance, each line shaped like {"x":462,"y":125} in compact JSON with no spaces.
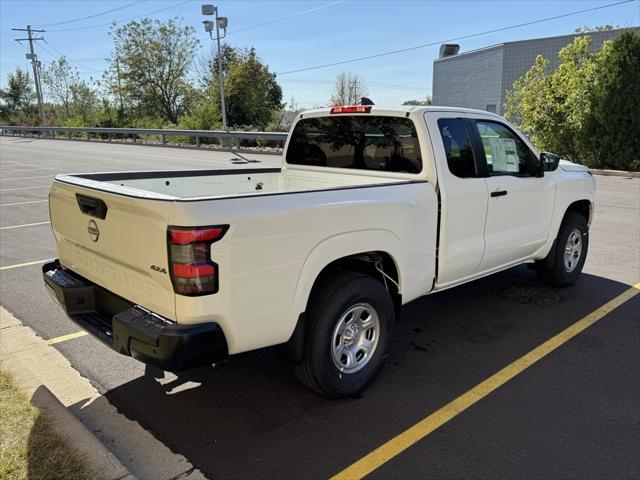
{"x":232,"y":138}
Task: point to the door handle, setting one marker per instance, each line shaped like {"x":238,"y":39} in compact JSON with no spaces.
{"x":93,"y":207}
{"x":499,"y":193}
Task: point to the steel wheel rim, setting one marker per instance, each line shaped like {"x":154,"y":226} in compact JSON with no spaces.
{"x":355,"y":338}
{"x":573,"y":250}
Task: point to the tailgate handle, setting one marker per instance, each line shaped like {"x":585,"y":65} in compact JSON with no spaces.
{"x":93,"y":207}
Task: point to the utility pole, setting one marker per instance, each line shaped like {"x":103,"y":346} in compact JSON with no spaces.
{"x":35,"y":63}
{"x":220,"y":60}
{"x":221,"y":22}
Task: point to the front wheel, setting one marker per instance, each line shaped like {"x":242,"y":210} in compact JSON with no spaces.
{"x":349,"y":324}
{"x":570,"y":253}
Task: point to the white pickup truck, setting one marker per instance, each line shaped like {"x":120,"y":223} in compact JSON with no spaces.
{"x":371,"y":209}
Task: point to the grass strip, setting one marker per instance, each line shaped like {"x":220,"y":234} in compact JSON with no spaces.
{"x":29,"y":446}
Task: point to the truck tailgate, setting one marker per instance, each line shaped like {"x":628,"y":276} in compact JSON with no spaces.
{"x":116,"y":241}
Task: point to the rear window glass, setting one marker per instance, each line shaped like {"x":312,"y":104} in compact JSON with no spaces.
{"x":360,"y":142}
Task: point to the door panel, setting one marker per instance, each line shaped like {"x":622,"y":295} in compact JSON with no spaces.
{"x":517,"y":222}
{"x":463,"y":197}
{"x":520,"y":204}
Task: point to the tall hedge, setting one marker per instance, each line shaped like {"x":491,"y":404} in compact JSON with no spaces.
{"x":587,"y":109}
{"x":612,"y":125}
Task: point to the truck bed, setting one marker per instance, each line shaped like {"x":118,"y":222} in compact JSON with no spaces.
{"x":204,"y":184}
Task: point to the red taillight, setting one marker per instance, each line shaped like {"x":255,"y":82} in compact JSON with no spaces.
{"x":190,"y":235}
{"x":192,"y":270}
{"x":352,"y":109}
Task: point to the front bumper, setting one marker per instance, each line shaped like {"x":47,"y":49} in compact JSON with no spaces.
{"x":132,"y":330}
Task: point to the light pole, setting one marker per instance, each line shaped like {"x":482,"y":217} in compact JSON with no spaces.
{"x":221,"y":23}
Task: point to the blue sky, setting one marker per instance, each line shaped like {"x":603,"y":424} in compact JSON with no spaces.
{"x":312,"y":33}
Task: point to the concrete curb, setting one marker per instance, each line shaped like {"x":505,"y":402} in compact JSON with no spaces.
{"x":79,"y":438}
{"x":33,"y":363}
{"x":614,"y":173}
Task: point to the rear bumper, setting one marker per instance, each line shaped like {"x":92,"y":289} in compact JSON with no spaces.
{"x":132,"y":330}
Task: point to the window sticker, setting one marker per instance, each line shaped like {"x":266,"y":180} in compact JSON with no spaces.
{"x":504,"y":155}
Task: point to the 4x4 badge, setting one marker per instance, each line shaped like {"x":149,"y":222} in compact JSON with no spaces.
{"x":94,"y":233}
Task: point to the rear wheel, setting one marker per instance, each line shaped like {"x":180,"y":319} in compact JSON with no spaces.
{"x":349,"y":325}
{"x":564,"y":264}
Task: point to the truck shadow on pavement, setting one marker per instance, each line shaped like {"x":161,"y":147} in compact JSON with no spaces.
{"x":252,"y":418}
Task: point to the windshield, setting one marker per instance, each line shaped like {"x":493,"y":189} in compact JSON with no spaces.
{"x":360,"y":142}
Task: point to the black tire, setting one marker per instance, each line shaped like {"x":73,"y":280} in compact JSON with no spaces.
{"x":552,"y":270}
{"x":331,"y":299}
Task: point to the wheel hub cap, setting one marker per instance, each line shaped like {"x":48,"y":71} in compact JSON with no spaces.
{"x":355,"y":338}
{"x":350,"y":334}
{"x":573,"y":250}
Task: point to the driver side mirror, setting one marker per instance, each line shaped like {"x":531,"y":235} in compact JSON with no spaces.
{"x":549,"y":161}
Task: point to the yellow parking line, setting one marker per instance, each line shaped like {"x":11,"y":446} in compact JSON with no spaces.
{"x":64,"y":338}
{"x":424,"y":427}
{"x":25,"y":225}
{"x":8,"y":267}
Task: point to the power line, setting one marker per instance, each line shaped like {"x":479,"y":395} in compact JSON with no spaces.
{"x":95,"y":14}
{"x":372,"y":83}
{"x":89,"y":27}
{"x":463,"y":37}
{"x":293,"y":15}
{"x":77,"y":64}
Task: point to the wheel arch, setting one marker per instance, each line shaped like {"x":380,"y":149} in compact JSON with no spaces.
{"x":576,"y":202}
{"x":325,"y":260}
{"x":583,"y":207}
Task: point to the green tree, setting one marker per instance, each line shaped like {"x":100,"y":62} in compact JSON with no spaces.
{"x":426,"y":101}
{"x":18,"y":98}
{"x":548,"y":105}
{"x":150,"y":67}
{"x":612,"y":124}
{"x":207,"y":63}
{"x":586,"y":108}
{"x":252,"y":94}
{"x":205,"y":114}
{"x":74,"y":100}
{"x":597,"y":28}
{"x":85,"y":103}
{"x":58,"y":78}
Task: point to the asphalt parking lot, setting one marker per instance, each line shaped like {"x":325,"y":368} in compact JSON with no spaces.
{"x":573,"y":414}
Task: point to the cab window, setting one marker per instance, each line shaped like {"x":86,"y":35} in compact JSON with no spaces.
{"x":363,"y":142}
{"x":506,"y":153}
{"x":457,"y":147}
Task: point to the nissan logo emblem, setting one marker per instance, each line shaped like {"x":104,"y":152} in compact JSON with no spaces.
{"x":94,"y":233}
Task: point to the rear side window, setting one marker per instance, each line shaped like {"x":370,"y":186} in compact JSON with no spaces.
{"x":359,"y":142}
{"x":457,"y":147}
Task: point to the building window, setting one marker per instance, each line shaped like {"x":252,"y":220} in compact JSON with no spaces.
{"x":491,"y":107}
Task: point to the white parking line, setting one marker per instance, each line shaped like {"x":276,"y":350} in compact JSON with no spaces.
{"x":24,"y":188}
{"x":25,"y":225}
{"x":27,"y":170}
{"x":18,"y":265}
{"x":22,"y":203}
{"x":27,"y":178}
